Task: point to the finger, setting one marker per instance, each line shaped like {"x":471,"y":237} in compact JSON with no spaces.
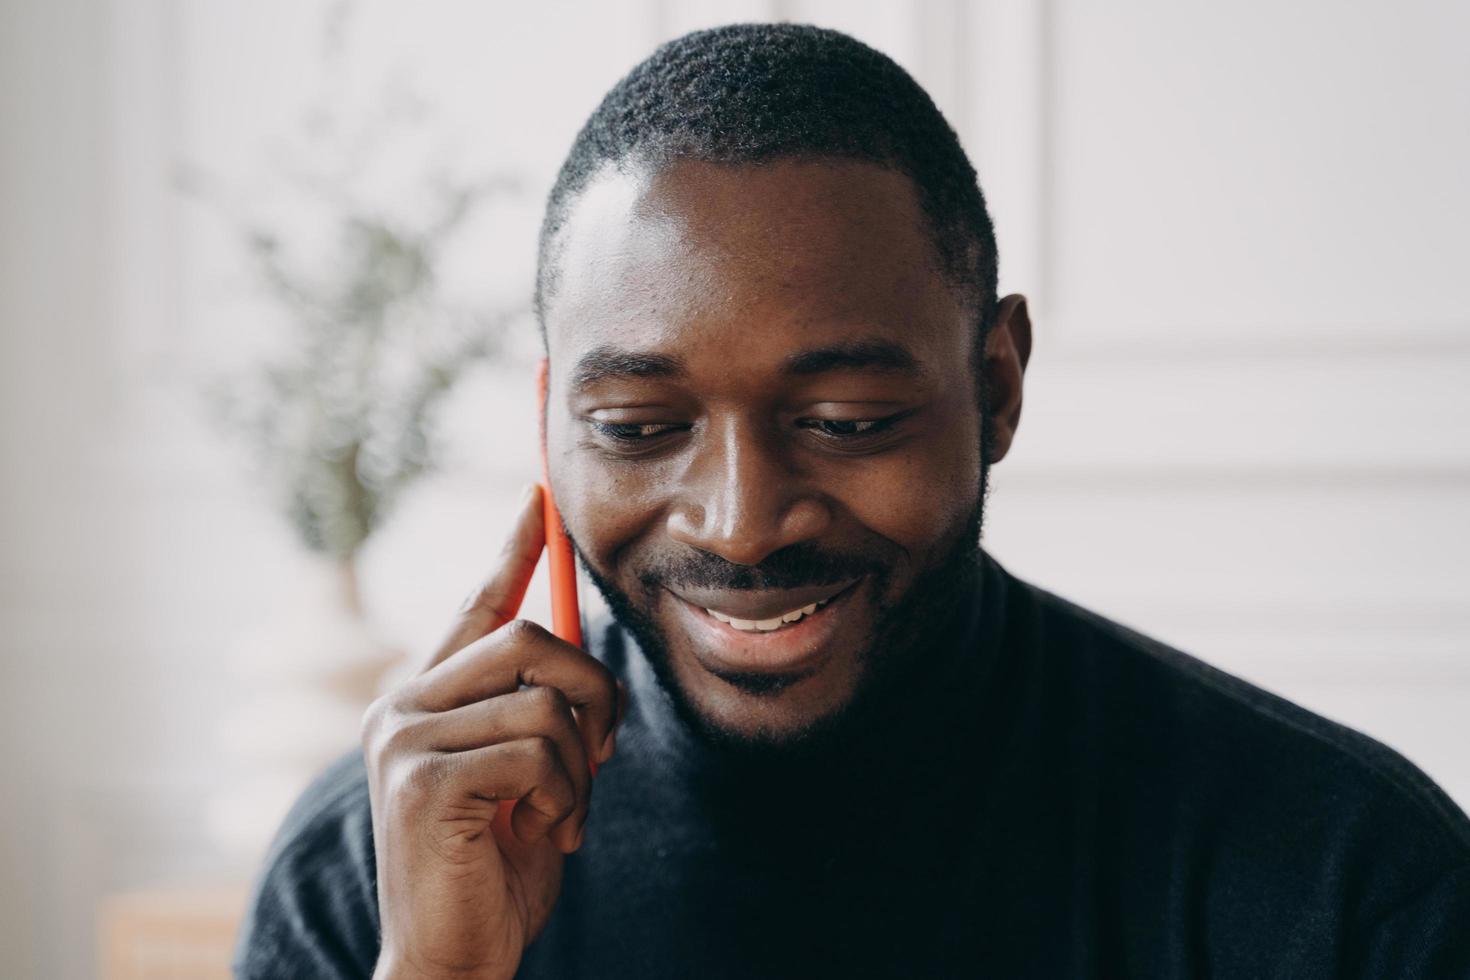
{"x":609,"y":744}
{"x":528,"y":774}
{"x":536,"y":711}
{"x":497,"y":599}
{"x":522,"y":652}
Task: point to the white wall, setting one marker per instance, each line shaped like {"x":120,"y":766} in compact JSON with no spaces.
{"x":1241,"y":226}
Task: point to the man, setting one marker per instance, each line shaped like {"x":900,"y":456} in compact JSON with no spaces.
{"x":835,"y":737}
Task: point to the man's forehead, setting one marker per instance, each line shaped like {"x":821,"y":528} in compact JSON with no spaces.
{"x":643,"y":255}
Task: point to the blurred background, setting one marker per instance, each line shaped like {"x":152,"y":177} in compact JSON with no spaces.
{"x":267,"y":396}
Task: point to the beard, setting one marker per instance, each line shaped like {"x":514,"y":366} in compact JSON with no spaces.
{"x":913,"y":639}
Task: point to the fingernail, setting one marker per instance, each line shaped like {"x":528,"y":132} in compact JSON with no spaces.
{"x":608,"y":745}
{"x":526,"y":492}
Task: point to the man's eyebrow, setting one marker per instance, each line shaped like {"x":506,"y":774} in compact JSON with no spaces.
{"x":855,"y":355}
{"x":608,"y":362}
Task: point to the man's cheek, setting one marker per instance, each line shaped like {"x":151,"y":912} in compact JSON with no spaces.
{"x":909,"y":500}
{"x":603,"y":510}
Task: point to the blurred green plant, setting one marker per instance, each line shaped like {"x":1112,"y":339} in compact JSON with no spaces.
{"x":340,"y":424}
{"x":341,"y":421}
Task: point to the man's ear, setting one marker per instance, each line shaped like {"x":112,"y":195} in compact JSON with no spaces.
{"x":1007,"y":350}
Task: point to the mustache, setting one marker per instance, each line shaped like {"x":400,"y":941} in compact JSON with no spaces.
{"x":795,"y":566}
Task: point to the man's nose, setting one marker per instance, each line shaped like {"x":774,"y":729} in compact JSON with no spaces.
{"x":742,"y":498}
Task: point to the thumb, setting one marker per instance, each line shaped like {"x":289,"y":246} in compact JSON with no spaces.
{"x":495,"y":601}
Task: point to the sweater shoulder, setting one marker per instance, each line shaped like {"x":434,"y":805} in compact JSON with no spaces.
{"x":313,"y":911}
{"x":1205,"y":705}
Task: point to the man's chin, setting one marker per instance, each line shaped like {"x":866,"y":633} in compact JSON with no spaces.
{"x":758,"y":714}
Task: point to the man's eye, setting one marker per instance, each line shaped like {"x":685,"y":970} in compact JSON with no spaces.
{"x":851,"y":430}
{"x":631,"y":431}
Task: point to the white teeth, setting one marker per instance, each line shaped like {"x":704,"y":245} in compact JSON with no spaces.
{"x":767,"y":625}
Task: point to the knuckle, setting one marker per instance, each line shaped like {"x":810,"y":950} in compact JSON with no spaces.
{"x":603,"y":683}
{"x":560,"y":800}
{"x":391,"y":731}
{"x":400,"y":737}
{"x":563,"y":805}
{"x":519,"y":631}
{"x":544,"y":759}
{"x":377,"y":726}
{"x":550,"y":703}
{"x":421,"y":778}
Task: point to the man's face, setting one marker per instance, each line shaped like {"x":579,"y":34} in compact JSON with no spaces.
{"x":762,"y":399}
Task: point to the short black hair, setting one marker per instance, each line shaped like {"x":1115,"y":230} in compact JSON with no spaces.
{"x":748,"y":93}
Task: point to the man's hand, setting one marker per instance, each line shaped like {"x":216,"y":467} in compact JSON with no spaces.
{"x":467,"y":877}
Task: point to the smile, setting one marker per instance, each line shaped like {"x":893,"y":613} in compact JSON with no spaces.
{"x":765,"y":640}
{"x":768,"y":625}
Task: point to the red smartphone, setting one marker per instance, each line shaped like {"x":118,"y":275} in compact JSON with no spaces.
{"x":566,"y":614}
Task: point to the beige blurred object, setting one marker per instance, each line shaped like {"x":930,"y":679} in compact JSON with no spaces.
{"x":311,"y":669}
{"x":170,"y":933}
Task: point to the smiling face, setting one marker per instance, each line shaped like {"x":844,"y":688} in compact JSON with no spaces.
{"x":764,"y":432}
